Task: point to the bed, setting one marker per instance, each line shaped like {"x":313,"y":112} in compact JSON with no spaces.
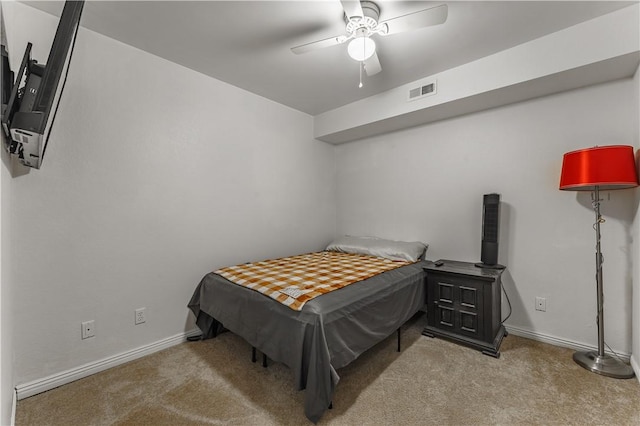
{"x":330,"y":330}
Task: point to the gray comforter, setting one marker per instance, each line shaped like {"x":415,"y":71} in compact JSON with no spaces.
{"x":327,"y":334}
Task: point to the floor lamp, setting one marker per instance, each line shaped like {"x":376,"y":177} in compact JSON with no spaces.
{"x":600,"y":169}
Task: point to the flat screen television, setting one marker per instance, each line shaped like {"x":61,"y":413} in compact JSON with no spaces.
{"x":35,"y":95}
{"x":6,"y":79}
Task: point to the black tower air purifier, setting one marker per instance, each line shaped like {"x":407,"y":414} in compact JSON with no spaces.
{"x":490,"y":226}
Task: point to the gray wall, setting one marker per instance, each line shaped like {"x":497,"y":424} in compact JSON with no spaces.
{"x":154,"y":176}
{"x":427,"y":183}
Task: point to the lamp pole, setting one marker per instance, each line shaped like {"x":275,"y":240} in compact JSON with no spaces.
{"x":599,"y":362}
{"x":600,"y":296}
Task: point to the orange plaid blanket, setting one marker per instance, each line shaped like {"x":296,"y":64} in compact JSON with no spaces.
{"x":295,"y":280}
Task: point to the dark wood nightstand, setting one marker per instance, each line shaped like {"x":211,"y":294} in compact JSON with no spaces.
{"x":464,"y":305}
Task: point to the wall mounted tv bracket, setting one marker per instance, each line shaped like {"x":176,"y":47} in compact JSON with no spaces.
{"x":33,"y":106}
{"x":22,"y":98}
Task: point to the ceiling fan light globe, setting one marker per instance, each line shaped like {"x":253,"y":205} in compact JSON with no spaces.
{"x":361,"y":48}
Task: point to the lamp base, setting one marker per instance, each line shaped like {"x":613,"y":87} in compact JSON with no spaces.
{"x":605,"y":365}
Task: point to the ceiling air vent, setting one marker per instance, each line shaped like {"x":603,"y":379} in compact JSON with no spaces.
{"x":422,"y":91}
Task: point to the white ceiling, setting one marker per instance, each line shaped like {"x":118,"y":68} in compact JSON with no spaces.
{"x":247,"y":43}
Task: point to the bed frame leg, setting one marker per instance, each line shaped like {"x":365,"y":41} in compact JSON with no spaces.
{"x":254,"y":358}
{"x":331,"y":405}
{"x":398,"y":340}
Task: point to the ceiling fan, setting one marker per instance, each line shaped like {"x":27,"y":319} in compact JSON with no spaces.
{"x":362,"y":22}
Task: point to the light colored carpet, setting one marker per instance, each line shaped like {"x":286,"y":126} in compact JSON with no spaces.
{"x":431,"y":381}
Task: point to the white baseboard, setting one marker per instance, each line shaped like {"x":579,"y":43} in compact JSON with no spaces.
{"x":47,"y":383}
{"x":13,"y":407}
{"x":636,"y":368}
{"x":556,"y":341}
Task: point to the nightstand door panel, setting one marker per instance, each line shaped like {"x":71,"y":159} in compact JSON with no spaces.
{"x":470,"y":303}
{"x":469,"y":297}
{"x":469,"y":322}
{"x":456,"y":305}
{"x":444,"y":309}
{"x":445,"y":293}
{"x":446,"y":317}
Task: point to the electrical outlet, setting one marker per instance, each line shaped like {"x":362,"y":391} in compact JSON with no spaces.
{"x":541,"y":304}
{"x":88,"y":329}
{"x":141,"y":316}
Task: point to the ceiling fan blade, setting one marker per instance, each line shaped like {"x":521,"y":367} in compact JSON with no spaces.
{"x":320,"y":44}
{"x":352,"y":8}
{"x":423,"y":18}
{"x":372,"y":65}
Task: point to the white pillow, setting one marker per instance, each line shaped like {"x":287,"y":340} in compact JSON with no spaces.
{"x":373,"y":246}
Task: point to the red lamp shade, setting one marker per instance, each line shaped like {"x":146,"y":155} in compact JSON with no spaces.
{"x":607,"y":167}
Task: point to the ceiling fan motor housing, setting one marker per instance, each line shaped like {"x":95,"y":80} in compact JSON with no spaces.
{"x":368,"y":23}
{"x":370,"y":9}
